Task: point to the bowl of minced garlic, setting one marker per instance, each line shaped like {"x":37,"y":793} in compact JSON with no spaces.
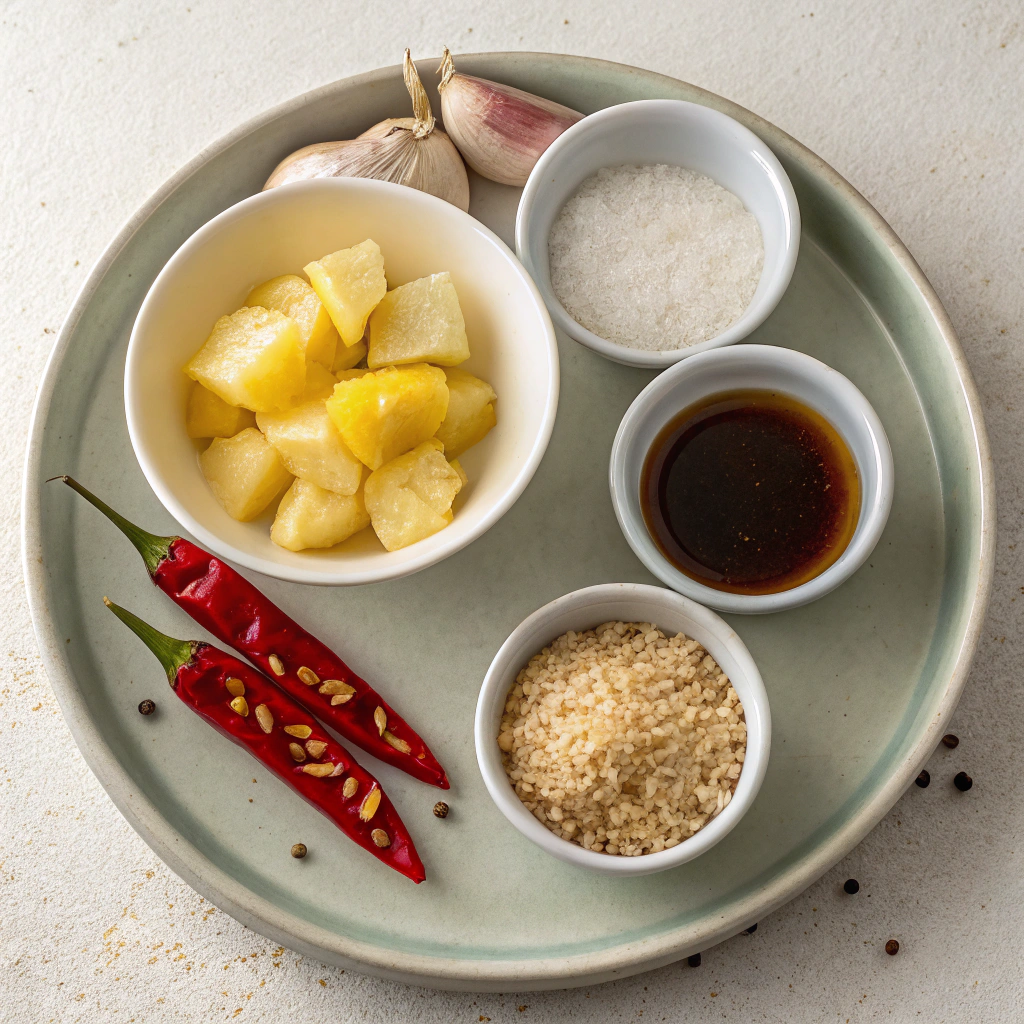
{"x":632,"y":741}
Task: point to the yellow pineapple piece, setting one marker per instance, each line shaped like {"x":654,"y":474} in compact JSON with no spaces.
{"x":254,"y":358}
{"x":352,"y":374}
{"x":311,"y":447}
{"x":319,"y":384}
{"x":457,"y":466}
{"x":210,"y":416}
{"x":419,"y":322}
{"x":290,"y":295}
{"x":311,"y":517}
{"x":350,"y":282}
{"x":346,"y":358}
{"x":244,"y":472}
{"x":383,"y":413}
{"x":411,"y":496}
{"x":470,"y":412}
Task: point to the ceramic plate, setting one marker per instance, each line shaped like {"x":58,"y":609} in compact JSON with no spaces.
{"x":860,"y":683}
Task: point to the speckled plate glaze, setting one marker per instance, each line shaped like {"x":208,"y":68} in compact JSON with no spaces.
{"x":861,"y":683}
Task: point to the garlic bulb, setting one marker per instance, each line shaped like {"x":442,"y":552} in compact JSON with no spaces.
{"x":500,"y":131}
{"x":406,"y":150}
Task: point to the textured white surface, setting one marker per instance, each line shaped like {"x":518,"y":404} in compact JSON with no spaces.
{"x":918,"y":104}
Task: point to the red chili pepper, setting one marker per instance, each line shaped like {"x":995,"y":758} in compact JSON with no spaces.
{"x":246,"y":707}
{"x":236,"y":613}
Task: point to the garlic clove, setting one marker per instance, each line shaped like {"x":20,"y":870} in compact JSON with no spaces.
{"x":500,"y":131}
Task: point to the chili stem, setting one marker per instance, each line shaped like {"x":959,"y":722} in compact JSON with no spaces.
{"x":153,"y":549}
{"x":172,"y":654}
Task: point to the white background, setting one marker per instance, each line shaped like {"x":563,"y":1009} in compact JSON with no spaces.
{"x":919,"y":104}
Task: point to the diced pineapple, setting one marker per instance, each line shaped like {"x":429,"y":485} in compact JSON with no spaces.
{"x":210,"y":416}
{"x":411,"y":496}
{"x":457,"y":466}
{"x":319,"y":383}
{"x":311,"y":447}
{"x":310,"y":517}
{"x":383,"y":413}
{"x":254,"y":358}
{"x":292,"y":296}
{"x":346,"y":358}
{"x":419,"y":322}
{"x":470,"y":412}
{"x":350,"y":282}
{"x":244,"y":472}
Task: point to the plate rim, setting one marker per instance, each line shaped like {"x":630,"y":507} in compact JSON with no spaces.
{"x":624,"y":959}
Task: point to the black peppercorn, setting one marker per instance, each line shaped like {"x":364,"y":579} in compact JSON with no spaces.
{"x":299,"y":851}
{"x":951,"y":741}
{"x":147,"y":707}
{"x":923,"y":779}
{"x":963,"y":781}
{"x":750,"y":930}
{"x":892,"y":947}
{"x":440,"y":809}
{"x":851,"y":887}
{"x":694,"y":960}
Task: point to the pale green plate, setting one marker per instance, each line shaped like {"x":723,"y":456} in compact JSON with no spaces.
{"x":861,"y":683}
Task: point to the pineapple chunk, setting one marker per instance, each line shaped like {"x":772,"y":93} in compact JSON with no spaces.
{"x":244,"y":472}
{"x":419,"y":322}
{"x":457,"y":466}
{"x":291,"y":295}
{"x":411,"y":497}
{"x":352,"y":374}
{"x":350,"y":282}
{"x":311,"y":447}
{"x":210,"y":416}
{"x":319,"y":384}
{"x":470,"y":412}
{"x":384,"y":413}
{"x":346,"y":358}
{"x":310,"y":517}
{"x":254,"y":358}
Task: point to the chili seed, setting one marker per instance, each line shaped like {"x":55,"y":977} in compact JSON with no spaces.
{"x":380,"y":720}
{"x":300,"y":732}
{"x":892,"y":947}
{"x":750,"y":930}
{"x":240,"y":707}
{"x":963,"y":781}
{"x":851,"y":887}
{"x":264,"y":717}
{"x":298,"y":754}
{"x":440,"y":809}
{"x":319,"y":771}
{"x":393,"y":741}
{"x":950,"y":740}
{"x":299,"y":851}
{"x":370,"y":804}
{"x":276,"y":664}
{"x":308,"y":676}
{"x":694,"y":960}
{"x":380,"y":838}
{"x":350,"y":787}
{"x":923,"y":779}
{"x":147,"y":707}
{"x":334,"y":686}
{"x":339,"y":769}
{"x":315,"y":747}
{"x":340,"y":698}
{"x":235,"y":687}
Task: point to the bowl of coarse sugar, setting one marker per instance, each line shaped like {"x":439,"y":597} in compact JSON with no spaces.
{"x":657,"y":229}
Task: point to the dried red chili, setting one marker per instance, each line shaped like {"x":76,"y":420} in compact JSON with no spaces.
{"x":246,"y":707}
{"x":236,"y":613}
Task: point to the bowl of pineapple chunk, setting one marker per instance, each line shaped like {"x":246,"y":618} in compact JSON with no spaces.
{"x":341,"y":381}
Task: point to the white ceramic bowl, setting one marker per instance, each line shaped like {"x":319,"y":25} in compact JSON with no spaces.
{"x":763,"y":367}
{"x":663,"y":132}
{"x":628,"y":602}
{"x":277,"y":232}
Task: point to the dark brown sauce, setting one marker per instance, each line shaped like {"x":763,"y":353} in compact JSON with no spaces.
{"x":750,"y":492}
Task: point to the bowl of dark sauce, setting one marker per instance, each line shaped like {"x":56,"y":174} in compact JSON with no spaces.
{"x":751,"y":479}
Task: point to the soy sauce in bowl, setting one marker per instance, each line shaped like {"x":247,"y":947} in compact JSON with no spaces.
{"x":750,"y":492}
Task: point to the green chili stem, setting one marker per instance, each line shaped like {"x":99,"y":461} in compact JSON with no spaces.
{"x":172,"y":654}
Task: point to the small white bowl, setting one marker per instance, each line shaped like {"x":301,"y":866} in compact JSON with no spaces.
{"x":671,"y":132}
{"x":626,"y":602}
{"x":278,"y":232}
{"x":767,"y":368}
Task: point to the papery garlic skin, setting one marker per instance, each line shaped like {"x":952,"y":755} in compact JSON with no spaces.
{"x":500,"y":131}
{"x":408,"y":151}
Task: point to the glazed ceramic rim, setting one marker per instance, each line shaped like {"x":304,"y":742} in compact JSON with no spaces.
{"x":267,"y":918}
{"x":607,"y":602}
{"x":624,"y":475}
{"x":759,"y":308}
{"x":323,"y":571}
